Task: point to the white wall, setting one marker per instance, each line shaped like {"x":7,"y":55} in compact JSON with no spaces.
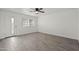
{"x":5,"y":27}
{"x":78,"y":23}
{"x":63,"y":23}
{"x":5,"y":23}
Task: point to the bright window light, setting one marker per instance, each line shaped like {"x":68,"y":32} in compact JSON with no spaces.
{"x":12,"y":23}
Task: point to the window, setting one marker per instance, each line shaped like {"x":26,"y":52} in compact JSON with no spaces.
{"x":31,"y":21}
{"x":28,"y":23}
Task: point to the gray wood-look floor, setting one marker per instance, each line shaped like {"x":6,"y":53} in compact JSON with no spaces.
{"x":38,"y":42}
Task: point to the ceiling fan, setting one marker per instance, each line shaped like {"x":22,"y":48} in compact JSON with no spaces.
{"x":37,"y":10}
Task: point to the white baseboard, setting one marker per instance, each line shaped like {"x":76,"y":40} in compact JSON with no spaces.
{"x":61,"y":35}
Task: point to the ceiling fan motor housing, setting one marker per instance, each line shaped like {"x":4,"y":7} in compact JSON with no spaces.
{"x":38,"y":9}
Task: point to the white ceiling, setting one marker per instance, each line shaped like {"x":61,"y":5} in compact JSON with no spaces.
{"x":27,"y":10}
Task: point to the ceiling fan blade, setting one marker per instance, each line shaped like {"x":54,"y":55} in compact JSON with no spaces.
{"x":40,"y":8}
{"x":42,"y":11}
{"x":37,"y":10}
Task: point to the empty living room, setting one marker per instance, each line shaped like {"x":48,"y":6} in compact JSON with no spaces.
{"x":39,"y":29}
